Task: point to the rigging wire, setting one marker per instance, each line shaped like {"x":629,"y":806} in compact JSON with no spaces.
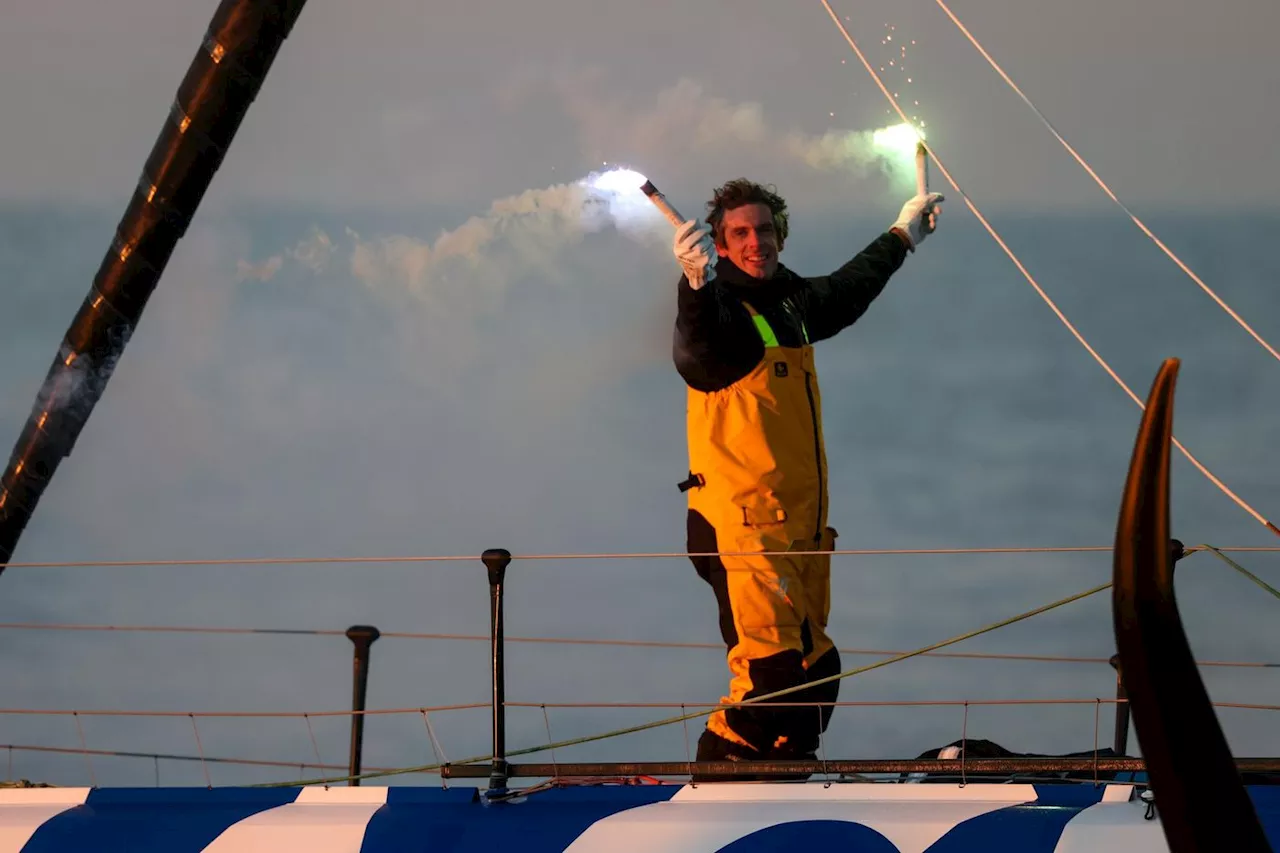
{"x":118,"y":753}
{"x":111,"y":712}
{"x":1242,"y":570}
{"x":382,"y":712}
{"x":1106,"y":189}
{"x":1031,"y":279}
{"x":633,"y":555}
{"x":579,"y":641}
{"x":427,"y":768}
{"x":768,"y":697}
{"x":262,"y":762}
{"x":887,"y":703}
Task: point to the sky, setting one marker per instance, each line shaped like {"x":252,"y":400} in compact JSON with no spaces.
{"x":399,"y":325}
{"x":418,"y":105}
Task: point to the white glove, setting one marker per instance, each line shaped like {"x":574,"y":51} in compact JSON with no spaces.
{"x":696,"y":252}
{"x":919,"y":217}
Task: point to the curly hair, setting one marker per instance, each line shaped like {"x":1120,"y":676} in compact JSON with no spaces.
{"x":741,"y":191}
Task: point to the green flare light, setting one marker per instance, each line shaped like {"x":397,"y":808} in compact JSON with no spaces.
{"x":898,"y":140}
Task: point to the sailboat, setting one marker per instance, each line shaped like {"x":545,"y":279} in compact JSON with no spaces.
{"x":1187,"y":792}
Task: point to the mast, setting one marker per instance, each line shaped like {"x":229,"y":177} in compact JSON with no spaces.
{"x":225,"y":76}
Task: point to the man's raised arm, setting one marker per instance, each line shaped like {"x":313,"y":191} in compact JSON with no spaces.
{"x":712,"y":349}
{"x":833,"y":302}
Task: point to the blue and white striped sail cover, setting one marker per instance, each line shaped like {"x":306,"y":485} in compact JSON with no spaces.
{"x":720,"y":818}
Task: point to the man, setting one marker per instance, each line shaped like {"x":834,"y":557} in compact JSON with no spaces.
{"x":757,"y":483}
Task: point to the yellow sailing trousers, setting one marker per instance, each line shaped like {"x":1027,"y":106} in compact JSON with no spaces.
{"x":758,"y":500}
{"x":773,"y":619}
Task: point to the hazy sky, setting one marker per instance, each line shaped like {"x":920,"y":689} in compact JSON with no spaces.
{"x":397,"y":328}
{"x":419,"y":104}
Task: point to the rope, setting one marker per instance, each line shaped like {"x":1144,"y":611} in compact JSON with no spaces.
{"x":208,"y":780}
{"x":277,"y":561}
{"x":312,"y":732}
{"x":93,"y":782}
{"x":577,"y":641}
{"x":1106,"y":189}
{"x":1242,"y":570}
{"x":654,"y":724}
{"x":885,"y":703}
{"x":635,"y":555}
{"x":57,"y":712}
{"x":116,"y":753}
{"x":436,"y":747}
{"x":429,"y":768}
{"x":1027,"y":275}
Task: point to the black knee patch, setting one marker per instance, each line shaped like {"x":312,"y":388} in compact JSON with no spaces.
{"x":827,"y":665}
{"x":701,"y":539}
{"x":760,"y":725}
{"x":806,"y":724}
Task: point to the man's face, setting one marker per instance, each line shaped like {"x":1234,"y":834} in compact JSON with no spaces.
{"x":747,"y":238}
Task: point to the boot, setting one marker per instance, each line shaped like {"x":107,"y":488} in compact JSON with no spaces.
{"x":787,"y":752}
{"x":712,"y":747}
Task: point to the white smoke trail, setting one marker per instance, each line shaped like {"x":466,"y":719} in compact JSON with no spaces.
{"x":78,"y":380}
{"x":708,"y":130}
{"x":583,"y":262}
{"x":528,"y":229}
{"x":888,"y":150}
{"x":533,"y":229}
{"x":313,"y":253}
{"x":592,"y":254}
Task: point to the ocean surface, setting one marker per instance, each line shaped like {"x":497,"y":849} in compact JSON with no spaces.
{"x":379,"y":392}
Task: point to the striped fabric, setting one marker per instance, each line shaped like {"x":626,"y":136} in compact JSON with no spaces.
{"x":721,"y":818}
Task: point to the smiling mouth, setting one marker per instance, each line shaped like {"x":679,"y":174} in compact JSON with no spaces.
{"x":755,"y":259}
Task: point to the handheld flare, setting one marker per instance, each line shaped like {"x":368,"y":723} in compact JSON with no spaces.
{"x":922,"y":169}
{"x":660,"y":202}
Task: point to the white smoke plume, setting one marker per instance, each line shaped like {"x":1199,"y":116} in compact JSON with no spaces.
{"x":75,"y":385}
{"x":594,"y":248}
{"x":313,"y":253}
{"x":532,"y":228}
{"x":435,"y":295}
{"x":534,"y":225}
{"x":709,"y":129}
{"x":528,"y":230}
{"x":850,"y":151}
{"x":264,"y":271}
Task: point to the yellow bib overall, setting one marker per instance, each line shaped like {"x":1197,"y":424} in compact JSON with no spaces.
{"x":757,"y":457}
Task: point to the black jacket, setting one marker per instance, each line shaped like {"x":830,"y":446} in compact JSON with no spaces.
{"x":716,"y":341}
